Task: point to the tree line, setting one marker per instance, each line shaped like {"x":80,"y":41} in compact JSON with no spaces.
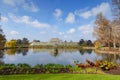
{"x":17,"y":43}
{"x":83,"y":42}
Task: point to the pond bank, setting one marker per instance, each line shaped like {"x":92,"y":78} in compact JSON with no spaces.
{"x":108,"y":52}
{"x":115,"y":71}
{"x":89,"y":48}
{"x":10,"y":69}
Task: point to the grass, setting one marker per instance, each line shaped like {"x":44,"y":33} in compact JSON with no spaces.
{"x":60,"y":77}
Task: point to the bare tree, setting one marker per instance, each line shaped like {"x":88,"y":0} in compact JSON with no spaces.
{"x":102,"y":30}
{"x":116,"y":21}
{"x":115,"y":32}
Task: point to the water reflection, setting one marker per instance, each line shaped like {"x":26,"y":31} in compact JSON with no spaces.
{"x":61,"y":56}
{"x":1,"y":53}
{"x":83,"y":51}
{"x":111,"y":57}
{"x":53,"y":52}
{"x":10,"y":51}
{"x":1,"y":56}
{"x":22,"y":51}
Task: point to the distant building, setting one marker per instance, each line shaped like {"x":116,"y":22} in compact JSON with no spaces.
{"x":35,"y":43}
{"x":52,"y":42}
{"x":55,"y":41}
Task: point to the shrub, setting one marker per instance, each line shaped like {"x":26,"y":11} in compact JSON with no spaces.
{"x":11,"y":66}
{"x":53,"y":66}
{"x":97,"y":45}
{"x":23,"y":66}
{"x":38,"y":66}
{"x":105,"y":65}
{"x":68,"y":66}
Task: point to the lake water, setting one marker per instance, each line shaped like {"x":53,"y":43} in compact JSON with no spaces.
{"x":45,"y":56}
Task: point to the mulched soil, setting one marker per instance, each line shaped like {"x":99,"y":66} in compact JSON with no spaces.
{"x":115,"y":71}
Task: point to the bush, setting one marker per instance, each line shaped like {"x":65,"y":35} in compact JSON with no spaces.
{"x":68,"y":66}
{"x":105,"y":65}
{"x":7,"y":69}
{"x":11,"y":66}
{"x":97,"y":45}
{"x":38,"y":66}
{"x":53,"y":66}
{"x":23,"y":66}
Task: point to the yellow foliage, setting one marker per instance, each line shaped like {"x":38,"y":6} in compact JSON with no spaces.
{"x":10,"y":44}
{"x":97,"y":45}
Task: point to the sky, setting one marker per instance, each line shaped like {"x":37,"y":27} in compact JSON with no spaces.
{"x":46,"y":19}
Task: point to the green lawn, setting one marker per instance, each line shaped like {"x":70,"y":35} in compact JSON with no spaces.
{"x":60,"y":77}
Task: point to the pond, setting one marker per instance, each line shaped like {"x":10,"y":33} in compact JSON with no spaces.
{"x":45,"y":56}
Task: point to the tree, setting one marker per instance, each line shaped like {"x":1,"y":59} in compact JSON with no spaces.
{"x":89,"y":43}
{"x":81,"y":42}
{"x":2,"y":39}
{"x":36,"y":40}
{"x":65,"y":41}
{"x":25,"y":41}
{"x":116,"y":21}
{"x":97,"y":44}
{"x":115,"y":32}
{"x":102,"y":30}
{"x":11,"y":44}
{"x":18,"y":42}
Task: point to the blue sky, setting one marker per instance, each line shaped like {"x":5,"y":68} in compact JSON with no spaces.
{"x":46,"y":19}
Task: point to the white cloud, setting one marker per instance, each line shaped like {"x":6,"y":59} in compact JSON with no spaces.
{"x":86,"y":14}
{"x":13,"y":2}
{"x":61,"y":33}
{"x":86,"y":29}
{"x":38,"y":24}
{"x":25,"y":5}
{"x":30,"y":7}
{"x":26,"y":20}
{"x":57,"y":13}
{"x":70,"y":18}
{"x":14,"y":32}
{"x":70,"y":31}
{"x":65,"y":36}
{"x":4,"y":19}
{"x":103,"y":7}
{"x":43,"y":32}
